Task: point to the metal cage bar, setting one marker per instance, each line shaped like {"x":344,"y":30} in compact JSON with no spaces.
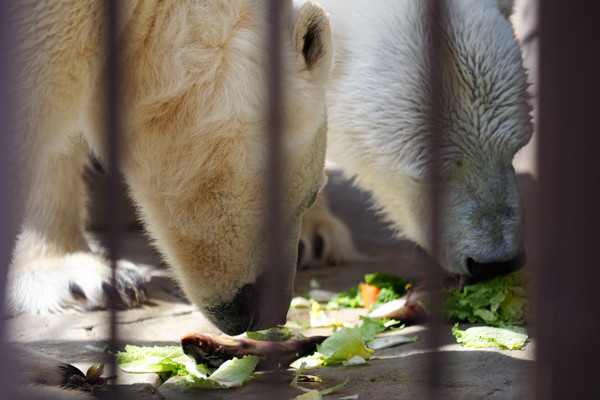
{"x":567,"y":245}
{"x":113,"y":134}
{"x":565,"y":229}
{"x":435,"y":20}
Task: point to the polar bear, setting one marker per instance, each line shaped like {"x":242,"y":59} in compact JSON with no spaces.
{"x":194,"y":148}
{"x":377,"y":103}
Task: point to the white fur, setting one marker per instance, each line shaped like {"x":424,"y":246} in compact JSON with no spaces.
{"x":378,"y":121}
{"x":194,"y":103}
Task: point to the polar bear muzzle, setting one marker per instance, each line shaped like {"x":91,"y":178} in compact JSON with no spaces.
{"x":481,"y":271}
{"x":253,"y":308}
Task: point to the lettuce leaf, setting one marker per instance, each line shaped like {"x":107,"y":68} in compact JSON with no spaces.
{"x":371,"y":327}
{"x":236,"y":370}
{"x":500,"y":301}
{"x":278,"y":334}
{"x":152,"y":359}
{"x":170,"y":361}
{"x":343,"y":345}
{"x":382,"y":280}
{"x":489,"y":336}
{"x":391,"y":287}
{"x":350,"y":298}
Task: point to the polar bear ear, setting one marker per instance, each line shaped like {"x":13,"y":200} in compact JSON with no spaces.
{"x":312,"y":38}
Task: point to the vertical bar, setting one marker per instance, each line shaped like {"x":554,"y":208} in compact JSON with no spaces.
{"x":275,"y":126}
{"x":275,"y":165}
{"x":434,"y":21}
{"x":568,"y":244}
{"x":112,"y":141}
{"x":8,"y":185}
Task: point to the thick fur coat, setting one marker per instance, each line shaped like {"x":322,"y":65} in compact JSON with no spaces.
{"x":194,"y":102}
{"x":379,"y":123}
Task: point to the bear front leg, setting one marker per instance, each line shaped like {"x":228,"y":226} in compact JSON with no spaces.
{"x":53,"y":268}
{"x":325,"y":239}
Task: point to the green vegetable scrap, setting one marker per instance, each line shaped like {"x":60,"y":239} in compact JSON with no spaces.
{"x":500,"y":301}
{"x":164,"y":360}
{"x":488,"y":336}
{"x":391,"y":287}
{"x":345,"y":346}
{"x":235,"y":370}
{"x":382,"y":280}
{"x":350,"y":298}
{"x":278,"y":334}
{"x":170,"y":361}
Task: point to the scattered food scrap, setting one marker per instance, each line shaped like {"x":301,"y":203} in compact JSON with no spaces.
{"x":213,"y":350}
{"x":352,"y":346}
{"x":313,"y":394}
{"x":171,"y":361}
{"x":278,"y":334}
{"x":489,"y":336}
{"x":499,"y":301}
{"x":409,"y":308}
{"x":378,"y":288}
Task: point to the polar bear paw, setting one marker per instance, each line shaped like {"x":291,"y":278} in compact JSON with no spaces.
{"x":325,"y":240}
{"x":78,"y":281}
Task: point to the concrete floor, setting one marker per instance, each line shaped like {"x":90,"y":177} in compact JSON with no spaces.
{"x":400,"y":372}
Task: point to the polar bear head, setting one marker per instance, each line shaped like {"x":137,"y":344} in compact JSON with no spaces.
{"x":485,"y":121}
{"x":197,"y":161}
{"x":380,"y":125}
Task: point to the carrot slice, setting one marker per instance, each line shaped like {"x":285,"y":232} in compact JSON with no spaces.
{"x":368,"y":293}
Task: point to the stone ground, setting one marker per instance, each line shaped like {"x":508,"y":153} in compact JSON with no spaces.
{"x":399,"y":372}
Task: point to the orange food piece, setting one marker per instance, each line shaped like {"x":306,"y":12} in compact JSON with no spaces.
{"x":368,"y":293}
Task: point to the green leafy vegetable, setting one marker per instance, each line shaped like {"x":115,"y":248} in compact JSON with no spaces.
{"x":235,"y":370}
{"x":350,"y":298}
{"x":343,"y":345}
{"x":382,"y":280}
{"x":278,"y":334}
{"x":488,"y":336}
{"x":500,"y":301}
{"x":371,"y":327}
{"x":391,"y":287}
{"x":170,"y":361}
{"x":152,"y":359}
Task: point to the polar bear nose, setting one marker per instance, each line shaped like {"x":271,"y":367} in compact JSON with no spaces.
{"x":236,"y":316}
{"x":481,"y":271}
{"x":261,"y":305}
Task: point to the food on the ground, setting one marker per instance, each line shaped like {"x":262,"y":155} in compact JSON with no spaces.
{"x":166,"y":361}
{"x":232,"y":373}
{"x":346,"y":346}
{"x":383,"y":286}
{"x":175,"y":367}
{"x":312,"y":394}
{"x":489,"y":336}
{"x":499,"y":301}
{"x":213,"y":350}
{"x":408,"y":309}
{"x":390,"y":340}
{"x":368,"y":294}
{"x":318,"y":318}
{"x":278,"y":334}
